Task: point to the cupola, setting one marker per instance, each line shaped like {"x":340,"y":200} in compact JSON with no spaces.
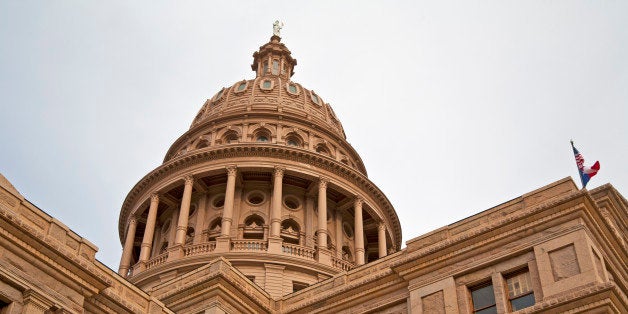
{"x":274,"y":59}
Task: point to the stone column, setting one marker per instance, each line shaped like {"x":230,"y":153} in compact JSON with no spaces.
{"x":184,"y":212}
{"x":275,"y":241}
{"x":275,"y":212}
{"x":324,"y":255}
{"x":227,"y":215}
{"x":147,"y":241}
{"x":381,"y":239}
{"x":322,"y":214}
{"x":125,"y":260}
{"x":359,"y":232}
{"x":223,"y":242}
{"x":338,"y":234}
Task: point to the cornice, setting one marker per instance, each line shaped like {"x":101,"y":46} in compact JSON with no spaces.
{"x":55,"y":246}
{"x":227,"y":153}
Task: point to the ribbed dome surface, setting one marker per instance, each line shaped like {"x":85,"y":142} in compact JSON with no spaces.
{"x":274,"y":94}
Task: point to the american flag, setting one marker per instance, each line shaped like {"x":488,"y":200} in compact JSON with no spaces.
{"x":585,"y":172}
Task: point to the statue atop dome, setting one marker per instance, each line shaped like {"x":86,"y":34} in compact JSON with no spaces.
{"x":277,"y":28}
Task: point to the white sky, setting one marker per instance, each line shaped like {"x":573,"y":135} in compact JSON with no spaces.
{"x":455,"y":107}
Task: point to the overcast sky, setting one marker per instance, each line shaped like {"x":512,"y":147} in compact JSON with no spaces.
{"x":455,"y":107}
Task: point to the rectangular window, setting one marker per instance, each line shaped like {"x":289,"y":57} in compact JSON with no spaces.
{"x":483,"y":299}
{"x":265,"y":68}
{"x":520,"y":293}
{"x":275,"y":67}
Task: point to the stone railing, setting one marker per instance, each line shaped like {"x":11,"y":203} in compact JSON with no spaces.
{"x":298,"y":250}
{"x":340,"y":263}
{"x":199,"y":248}
{"x":249,"y":245}
{"x":157,"y":260}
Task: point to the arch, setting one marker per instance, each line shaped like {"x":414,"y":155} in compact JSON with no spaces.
{"x":295,"y":132}
{"x":215,"y":228}
{"x":257,"y":129}
{"x":229,"y":133}
{"x":202,"y":142}
{"x":253,"y":227}
{"x":189,"y":235}
{"x":346,"y":254}
{"x":323,"y":150}
{"x":294,"y":139}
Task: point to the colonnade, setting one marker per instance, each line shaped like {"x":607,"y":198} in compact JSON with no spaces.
{"x":227,"y":220}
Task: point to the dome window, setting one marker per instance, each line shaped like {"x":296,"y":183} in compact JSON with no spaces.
{"x":240,"y":87}
{"x":230,"y":137}
{"x":266,"y":85}
{"x":275,"y":67}
{"x":315,"y":99}
{"x":294,"y":140}
{"x":218,"y":96}
{"x":322,"y":149}
{"x":262,"y":138}
{"x":292,"y":89}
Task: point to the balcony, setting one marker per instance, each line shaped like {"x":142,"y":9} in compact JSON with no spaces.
{"x":214,"y":248}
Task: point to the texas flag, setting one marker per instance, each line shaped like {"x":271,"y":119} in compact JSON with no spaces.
{"x":585,"y":172}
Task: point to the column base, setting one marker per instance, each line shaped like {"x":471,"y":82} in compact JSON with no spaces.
{"x":175,"y":252}
{"x":223,"y":244}
{"x":275,"y":245}
{"x":324,"y":256}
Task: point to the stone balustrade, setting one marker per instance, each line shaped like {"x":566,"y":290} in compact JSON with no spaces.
{"x":249,"y":245}
{"x":157,"y":260}
{"x":238,"y":246}
{"x":341,"y":263}
{"x":298,"y":250}
{"x":199,"y":248}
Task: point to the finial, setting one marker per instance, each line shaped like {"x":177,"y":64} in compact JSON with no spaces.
{"x":277,"y":28}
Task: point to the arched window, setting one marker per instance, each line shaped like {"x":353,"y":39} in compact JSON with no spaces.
{"x":254,"y":227}
{"x":189,"y":235}
{"x":262,"y":135}
{"x":346,"y":254}
{"x":164,"y":247}
{"x":230,"y":137}
{"x":294,"y":140}
{"x":290,"y":231}
{"x":323,"y":150}
{"x":214,"y":229}
{"x":202,"y":143}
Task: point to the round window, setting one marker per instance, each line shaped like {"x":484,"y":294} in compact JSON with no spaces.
{"x":255,"y":198}
{"x":218,"y":202}
{"x":292,"y":202}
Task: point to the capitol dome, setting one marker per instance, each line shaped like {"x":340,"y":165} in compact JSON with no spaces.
{"x":265,"y":179}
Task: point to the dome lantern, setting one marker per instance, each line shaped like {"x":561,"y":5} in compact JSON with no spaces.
{"x":274,"y":59}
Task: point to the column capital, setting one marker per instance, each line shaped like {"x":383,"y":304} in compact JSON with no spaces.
{"x":381,"y":226}
{"x":232,"y":170}
{"x":358,"y":200}
{"x":279,"y":171}
{"x":154,"y":197}
{"x":189,"y":180}
{"x":322,"y":182}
